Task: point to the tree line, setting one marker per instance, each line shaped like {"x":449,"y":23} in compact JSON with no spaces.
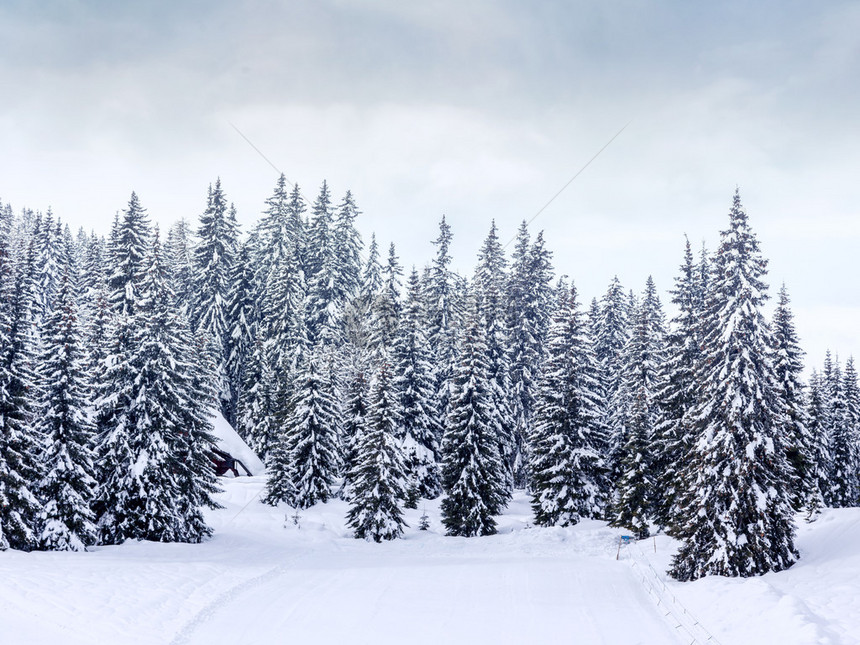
{"x":354,"y":378}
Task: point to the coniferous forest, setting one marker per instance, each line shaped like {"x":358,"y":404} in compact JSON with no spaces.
{"x":358,"y":374}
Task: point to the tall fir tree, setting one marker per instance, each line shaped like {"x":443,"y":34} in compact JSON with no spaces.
{"x":644,"y":355}
{"x":20,"y":469}
{"x":243,"y":317}
{"x":818,"y":476}
{"x":214,"y":257}
{"x":529,"y":305}
{"x":565,"y":463}
{"x":788,"y":364}
{"x":414,"y":384}
{"x":489,"y":292}
{"x":68,"y":487}
{"x":377,"y":480}
{"x":739,"y":516}
{"x":611,"y":335}
{"x":128,"y":247}
{"x":305,"y":462}
{"x":472,"y":469}
{"x":677,"y":396}
{"x":841,"y":492}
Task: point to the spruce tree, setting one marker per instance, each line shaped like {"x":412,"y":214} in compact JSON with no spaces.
{"x":529,"y":305}
{"x":305,"y":462}
{"x":321,"y":272}
{"x":214,"y":256}
{"x":68,"y":485}
{"x":144,"y":409}
{"x":20,"y":469}
{"x":565,"y":464}
{"x":419,"y":413}
{"x":788,"y":364}
{"x":644,"y":355}
{"x":489,"y":291}
{"x":820,"y":465}
{"x":242,"y":316}
{"x":841,"y":489}
{"x":472,"y":469}
{"x":677,"y":396}
{"x":128,"y":246}
{"x":610,"y":339}
{"x":441,"y":314}
{"x":739,"y":516}
{"x":377,"y":479}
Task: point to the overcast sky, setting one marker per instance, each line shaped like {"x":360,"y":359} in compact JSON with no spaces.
{"x":474,"y":109}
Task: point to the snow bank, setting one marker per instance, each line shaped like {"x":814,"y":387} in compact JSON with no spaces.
{"x":230,"y":441}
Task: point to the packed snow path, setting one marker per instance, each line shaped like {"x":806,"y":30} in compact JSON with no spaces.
{"x":258,"y":580}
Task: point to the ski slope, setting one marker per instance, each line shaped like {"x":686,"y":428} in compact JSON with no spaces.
{"x":264,"y":579}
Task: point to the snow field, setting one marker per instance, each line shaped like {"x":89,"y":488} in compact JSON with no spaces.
{"x":263,"y":579}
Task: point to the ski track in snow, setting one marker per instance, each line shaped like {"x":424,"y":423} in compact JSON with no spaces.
{"x":220,"y":603}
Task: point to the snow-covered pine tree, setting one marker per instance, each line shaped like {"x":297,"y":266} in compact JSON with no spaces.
{"x":323,"y":305}
{"x":415,"y":388}
{"x":242,"y":316}
{"x":489,"y":292}
{"x":68,"y":487}
{"x":385,"y":310}
{"x":739,"y":515}
{"x":20,"y":470}
{"x":257,"y":406}
{"x":179,"y":258}
{"x":676,"y":398}
{"x":355,"y":411}
{"x":347,"y":249}
{"x":564,"y":461}
{"x":643,"y":357}
{"x":841,"y":489}
{"x":440,"y":312}
{"x":472,"y":469}
{"x":195,"y":477}
{"x":279,"y":252}
{"x":818,"y":476}
{"x":851,"y":395}
{"x":128,"y":246}
{"x":214,"y":256}
{"x":529,"y":297}
{"x":305,"y":461}
{"x":143,"y":400}
{"x":377,"y":480}
{"x":48,"y":266}
{"x":611,"y":334}
{"x":788,"y":364}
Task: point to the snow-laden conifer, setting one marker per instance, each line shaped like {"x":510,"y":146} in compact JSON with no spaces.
{"x":643,"y":356}
{"x":565,"y":465}
{"x":413,"y":382}
{"x":739,"y":517}
{"x":529,"y":304}
{"x":68,"y":485}
{"x":472,"y":469}
{"x":841,"y":490}
{"x":818,"y":476}
{"x":20,"y":470}
{"x":128,"y":246}
{"x":611,"y":335}
{"x":788,"y":364}
{"x":305,"y":461}
{"x":377,"y":479}
{"x":489,"y":291}
{"x":243,"y":318}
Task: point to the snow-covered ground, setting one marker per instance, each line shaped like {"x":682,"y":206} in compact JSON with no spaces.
{"x":262,"y":579}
